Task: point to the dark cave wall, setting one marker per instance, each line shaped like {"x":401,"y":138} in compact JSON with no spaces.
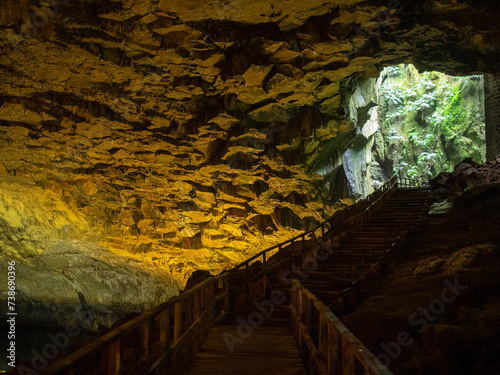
{"x":492,"y":113}
{"x":12,"y":10}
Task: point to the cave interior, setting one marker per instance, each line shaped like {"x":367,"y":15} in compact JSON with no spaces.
{"x":146,"y":142}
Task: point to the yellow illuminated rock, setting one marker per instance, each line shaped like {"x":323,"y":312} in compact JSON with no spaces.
{"x":145,"y":140}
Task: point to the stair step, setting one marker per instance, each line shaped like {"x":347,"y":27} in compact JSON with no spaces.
{"x":361,"y":246}
{"x":346,"y":262}
{"x":357,"y":249}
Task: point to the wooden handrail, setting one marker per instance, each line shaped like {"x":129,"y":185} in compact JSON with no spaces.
{"x":336,"y":224}
{"x":387,"y":186}
{"x":325,"y":342}
{"x":409,"y":183}
{"x":182,"y":322}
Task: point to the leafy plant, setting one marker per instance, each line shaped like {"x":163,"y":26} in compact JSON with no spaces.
{"x":427,"y":121}
{"x":454,"y":116}
{"x":393,"y":70}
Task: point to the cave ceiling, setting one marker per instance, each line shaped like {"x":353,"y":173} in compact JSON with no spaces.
{"x":179,"y":134}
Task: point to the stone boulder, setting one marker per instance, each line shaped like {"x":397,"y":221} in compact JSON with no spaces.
{"x":196,"y":278}
{"x":466,"y":176}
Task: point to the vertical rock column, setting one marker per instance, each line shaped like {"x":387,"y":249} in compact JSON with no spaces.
{"x":357,"y":158}
{"x":12,"y":10}
{"x":492,"y":114}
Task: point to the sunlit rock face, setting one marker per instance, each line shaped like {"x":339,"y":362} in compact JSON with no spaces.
{"x":158,"y":138}
{"x":415,"y":125}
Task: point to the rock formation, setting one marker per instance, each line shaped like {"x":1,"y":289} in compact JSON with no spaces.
{"x":169,"y":136}
{"x":468,"y":177}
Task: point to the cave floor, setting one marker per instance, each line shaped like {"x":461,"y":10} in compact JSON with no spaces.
{"x":268,"y":350}
{"x":437,"y":310}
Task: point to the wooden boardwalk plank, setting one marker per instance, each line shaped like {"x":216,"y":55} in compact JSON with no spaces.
{"x":268,"y":350}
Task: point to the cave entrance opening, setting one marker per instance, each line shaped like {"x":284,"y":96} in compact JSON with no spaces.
{"x":425,"y":123}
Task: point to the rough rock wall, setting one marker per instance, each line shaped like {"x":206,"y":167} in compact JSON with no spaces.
{"x":185,"y":134}
{"x":492,"y":113}
{"x":11,"y":11}
{"x":357,"y":159}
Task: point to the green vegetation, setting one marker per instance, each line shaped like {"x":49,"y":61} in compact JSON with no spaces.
{"x":429,"y":121}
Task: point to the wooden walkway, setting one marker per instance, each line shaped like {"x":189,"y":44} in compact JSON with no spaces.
{"x":360,"y":248}
{"x":272,"y":350}
{"x":267,"y":351}
{"x":300,"y":335}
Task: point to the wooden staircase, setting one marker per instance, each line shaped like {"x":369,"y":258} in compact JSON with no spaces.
{"x":268,"y":350}
{"x":355,"y":251}
{"x":269,"y":315}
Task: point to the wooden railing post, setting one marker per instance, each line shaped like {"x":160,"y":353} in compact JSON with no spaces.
{"x":114,"y":358}
{"x":326,"y":345}
{"x":307,"y":313}
{"x":264,"y":274}
{"x":178,"y":323}
{"x":211,"y":305}
{"x":347,"y":358}
{"x":226,"y":290}
{"x":189,"y":311}
{"x":230,"y":299}
{"x":190,"y":319}
{"x":324,"y":348}
{"x":247,"y":285}
{"x":197,"y":304}
{"x":177,"y":362}
{"x":299,"y":306}
{"x":144,"y":331}
{"x":203,"y":299}
{"x":280,"y":270}
{"x":164,"y":328}
{"x":335,"y":344}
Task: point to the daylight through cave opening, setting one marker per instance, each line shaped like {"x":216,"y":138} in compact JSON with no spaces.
{"x":425,"y":122}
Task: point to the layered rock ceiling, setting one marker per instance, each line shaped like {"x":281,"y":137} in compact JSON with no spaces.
{"x":147,"y":138}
